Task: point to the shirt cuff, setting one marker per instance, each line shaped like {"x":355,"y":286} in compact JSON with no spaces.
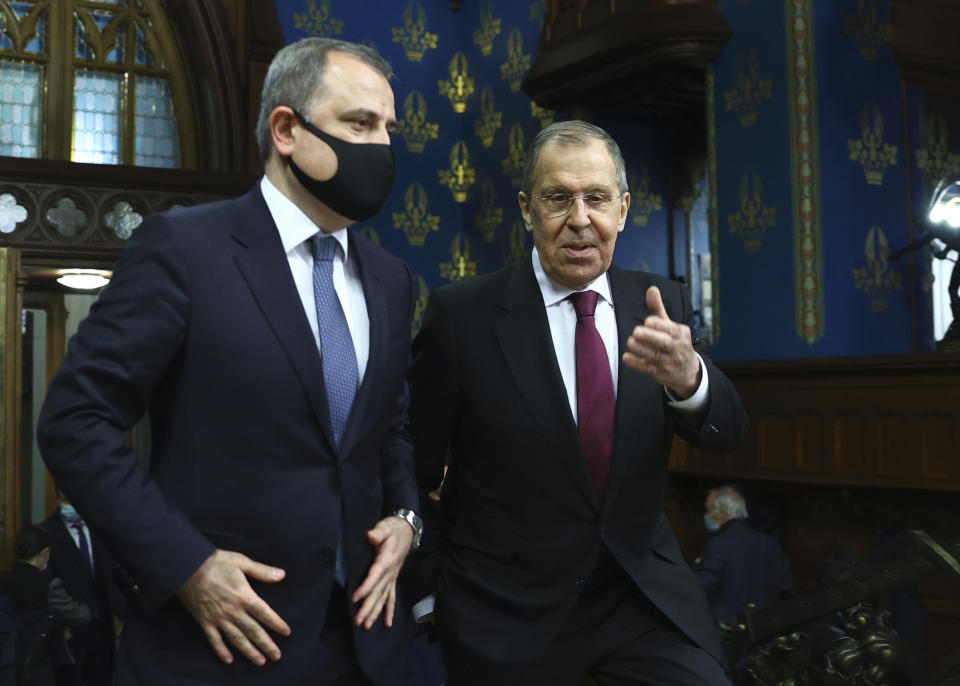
{"x":697,"y":402}
{"x":423,"y":610}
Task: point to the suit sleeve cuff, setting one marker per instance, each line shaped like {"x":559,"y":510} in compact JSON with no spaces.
{"x":696,"y":403}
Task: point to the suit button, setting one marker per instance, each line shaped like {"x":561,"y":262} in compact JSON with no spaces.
{"x":580,"y":582}
{"x":326,"y":555}
{"x":603,"y":529}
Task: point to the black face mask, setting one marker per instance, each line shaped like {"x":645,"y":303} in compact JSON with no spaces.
{"x":362,"y":181}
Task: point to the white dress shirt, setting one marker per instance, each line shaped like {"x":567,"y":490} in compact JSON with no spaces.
{"x":296,"y":231}
{"x":562,"y":319}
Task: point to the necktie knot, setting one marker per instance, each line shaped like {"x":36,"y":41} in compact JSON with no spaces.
{"x":584,"y":303}
{"x":324,"y":247}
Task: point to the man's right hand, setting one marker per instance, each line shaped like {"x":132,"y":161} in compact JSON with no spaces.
{"x":220,"y":598}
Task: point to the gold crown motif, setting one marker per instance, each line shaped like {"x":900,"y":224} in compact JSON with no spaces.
{"x":414,"y":220}
{"x":644,"y":203}
{"x":460,"y":86}
{"x":489,"y":29}
{"x":517,"y":64}
{"x":460,"y":176}
{"x":513,"y":164}
{"x":415,"y":128}
{"x":870,"y":150}
{"x":876,"y":279}
{"x":490,"y":120}
{"x":866,"y":29}
{"x":490,"y":216}
{"x":369,"y":233}
{"x":935,"y":159}
{"x":414,"y":37}
{"x":750,"y":92}
{"x":423,"y":292}
{"x":461,"y":266}
{"x":538,"y":10}
{"x":518,"y":243}
{"x":542,"y":113}
{"x":318,"y":22}
{"x":753,"y":219}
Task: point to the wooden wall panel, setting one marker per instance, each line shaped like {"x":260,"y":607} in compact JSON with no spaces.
{"x":891,"y":421}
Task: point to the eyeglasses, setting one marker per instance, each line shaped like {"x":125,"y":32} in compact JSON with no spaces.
{"x":557,"y":204}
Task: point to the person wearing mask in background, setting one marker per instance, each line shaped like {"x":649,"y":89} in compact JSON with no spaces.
{"x":739,"y":565}
{"x":90,"y":575}
{"x":270,"y":344}
{"x":43,"y":613}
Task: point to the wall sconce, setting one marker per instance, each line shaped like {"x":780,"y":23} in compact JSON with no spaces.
{"x":84,"y":279}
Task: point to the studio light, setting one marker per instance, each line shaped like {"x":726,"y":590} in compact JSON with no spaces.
{"x":945,"y":204}
{"x":84,"y":279}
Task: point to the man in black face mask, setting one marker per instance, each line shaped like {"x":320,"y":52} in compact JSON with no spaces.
{"x":270,"y":345}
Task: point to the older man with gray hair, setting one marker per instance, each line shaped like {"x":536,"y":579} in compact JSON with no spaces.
{"x":739,"y":565}
{"x":553,"y":389}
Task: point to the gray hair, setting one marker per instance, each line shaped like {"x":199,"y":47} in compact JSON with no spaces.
{"x":295,"y":79}
{"x":573,"y":132}
{"x":730,"y":500}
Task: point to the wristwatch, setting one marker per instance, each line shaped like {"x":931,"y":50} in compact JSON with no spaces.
{"x":413,"y":519}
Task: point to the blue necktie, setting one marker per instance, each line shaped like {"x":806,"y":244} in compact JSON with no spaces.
{"x":339,"y":360}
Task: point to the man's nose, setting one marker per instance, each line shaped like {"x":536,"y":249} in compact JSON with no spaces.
{"x":578,"y":215}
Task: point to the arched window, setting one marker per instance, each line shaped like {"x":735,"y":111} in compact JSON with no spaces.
{"x":93,"y":81}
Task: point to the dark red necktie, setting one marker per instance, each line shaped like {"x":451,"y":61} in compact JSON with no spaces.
{"x":595,"y":398}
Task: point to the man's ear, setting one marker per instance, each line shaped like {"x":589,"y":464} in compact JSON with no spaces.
{"x":524,"y":203}
{"x":282,"y":122}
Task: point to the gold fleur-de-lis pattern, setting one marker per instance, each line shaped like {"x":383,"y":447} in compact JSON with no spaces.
{"x":866,"y":28}
{"x":460,"y":266}
{"x":317,"y":20}
{"x":751,"y":90}
{"x":870,"y":150}
{"x":490,"y":215}
{"x":423,"y":292}
{"x":459,"y":87}
{"x":754,"y":218}
{"x":516,"y":153}
{"x":518,"y":243}
{"x":460,"y":175}
{"x":490,"y":120}
{"x":542,"y":114}
{"x":644,"y":201}
{"x":413,"y":36}
{"x":489,"y":29}
{"x":414,"y":127}
{"x":415,"y":222}
{"x":518,"y":63}
{"x":876,"y":278}
{"x":934,"y":159}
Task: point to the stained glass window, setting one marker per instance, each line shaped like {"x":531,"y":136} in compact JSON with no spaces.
{"x":96,"y":117}
{"x":124,"y":76}
{"x":157,"y":143}
{"x":21,"y":86}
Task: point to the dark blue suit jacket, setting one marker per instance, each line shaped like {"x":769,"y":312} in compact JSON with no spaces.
{"x":739,"y":566}
{"x":202,"y":325}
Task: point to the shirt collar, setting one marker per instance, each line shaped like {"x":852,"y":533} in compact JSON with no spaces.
{"x":553,"y":292}
{"x":294,"y":226}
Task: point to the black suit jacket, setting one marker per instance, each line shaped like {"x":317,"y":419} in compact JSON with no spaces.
{"x":203,"y":325}
{"x":522,"y":526}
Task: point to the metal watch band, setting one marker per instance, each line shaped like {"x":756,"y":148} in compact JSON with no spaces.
{"x":413,"y":519}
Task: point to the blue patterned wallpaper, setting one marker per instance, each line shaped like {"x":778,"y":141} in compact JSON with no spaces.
{"x":465,"y":125}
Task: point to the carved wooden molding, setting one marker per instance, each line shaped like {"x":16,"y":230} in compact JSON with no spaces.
{"x":634,"y":57}
{"x":923,"y":35}
{"x":59,"y":213}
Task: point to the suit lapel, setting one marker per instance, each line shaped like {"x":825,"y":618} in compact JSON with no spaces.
{"x":634,"y":389}
{"x":376,"y":299}
{"x":524,"y":335}
{"x":264,"y":266}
